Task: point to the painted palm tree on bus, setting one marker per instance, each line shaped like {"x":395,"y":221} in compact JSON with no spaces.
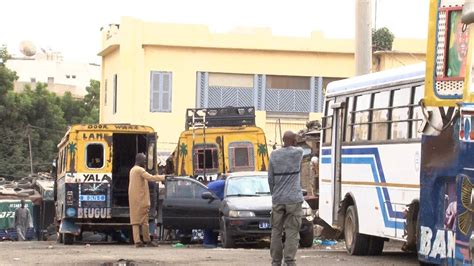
{"x":72,"y":156}
{"x":183,"y":152}
{"x":262,"y":152}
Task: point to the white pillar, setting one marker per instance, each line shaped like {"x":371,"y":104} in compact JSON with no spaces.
{"x":363,"y":36}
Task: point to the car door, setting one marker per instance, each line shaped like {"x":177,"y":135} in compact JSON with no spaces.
{"x":184,"y":208}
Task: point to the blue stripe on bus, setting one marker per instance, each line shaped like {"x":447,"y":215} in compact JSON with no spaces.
{"x":325,"y":160}
{"x":326,"y":152}
{"x":379,"y":177}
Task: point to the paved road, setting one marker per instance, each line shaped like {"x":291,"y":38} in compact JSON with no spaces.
{"x":28,"y":253}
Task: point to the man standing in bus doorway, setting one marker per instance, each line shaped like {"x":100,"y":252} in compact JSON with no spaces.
{"x":22,"y":221}
{"x":139,"y":200}
{"x":287,"y":198}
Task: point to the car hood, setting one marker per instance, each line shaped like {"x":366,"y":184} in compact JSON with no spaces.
{"x":249,"y":203}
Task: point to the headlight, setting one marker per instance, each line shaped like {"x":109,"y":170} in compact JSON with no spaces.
{"x":235,"y":214}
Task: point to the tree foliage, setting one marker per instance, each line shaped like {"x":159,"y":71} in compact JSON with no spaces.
{"x":382,"y":39}
{"x":41,"y":115}
{"x":4,"y":56}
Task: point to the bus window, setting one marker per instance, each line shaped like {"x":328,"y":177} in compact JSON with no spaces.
{"x":349,"y":118}
{"x":380,"y":116}
{"x":400,"y":111}
{"x":417,"y":115}
{"x":206,"y":158}
{"x":241,"y":156}
{"x":361,"y":126}
{"x":95,"y":155}
{"x":327,"y":122}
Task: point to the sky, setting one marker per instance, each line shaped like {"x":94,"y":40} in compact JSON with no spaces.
{"x":73,"y":27}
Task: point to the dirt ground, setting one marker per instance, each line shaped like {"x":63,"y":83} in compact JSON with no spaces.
{"x":51,"y":253}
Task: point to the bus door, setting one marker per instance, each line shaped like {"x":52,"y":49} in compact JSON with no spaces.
{"x":337,"y":130}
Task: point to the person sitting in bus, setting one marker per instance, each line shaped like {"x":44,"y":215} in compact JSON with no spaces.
{"x":95,"y":163}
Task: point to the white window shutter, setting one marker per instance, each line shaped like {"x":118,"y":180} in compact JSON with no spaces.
{"x":166,"y":92}
{"x":160,"y":91}
{"x":154,"y":92}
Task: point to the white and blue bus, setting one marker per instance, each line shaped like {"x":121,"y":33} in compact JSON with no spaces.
{"x":370,"y":157}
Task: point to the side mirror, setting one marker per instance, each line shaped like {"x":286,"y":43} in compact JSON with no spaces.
{"x":207,"y":195}
{"x":305,"y":192}
{"x":467,"y":16}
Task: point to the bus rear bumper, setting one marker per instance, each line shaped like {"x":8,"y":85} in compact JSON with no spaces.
{"x":68,"y":226}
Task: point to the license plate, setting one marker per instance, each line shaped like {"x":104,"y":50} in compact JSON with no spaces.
{"x":92,"y":198}
{"x":264,"y":225}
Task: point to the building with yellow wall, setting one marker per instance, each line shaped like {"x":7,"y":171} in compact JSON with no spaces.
{"x":152,"y":72}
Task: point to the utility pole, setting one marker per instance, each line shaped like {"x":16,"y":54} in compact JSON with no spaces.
{"x":29,"y":145}
{"x":363,"y":37}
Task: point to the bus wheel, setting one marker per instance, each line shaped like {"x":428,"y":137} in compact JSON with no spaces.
{"x":356,"y":244}
{"x":375,"y":246}
{"x":68,"y":239}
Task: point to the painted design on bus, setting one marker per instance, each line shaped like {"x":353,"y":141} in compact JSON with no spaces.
{"x":183,"y":152}
{"x":88,"y":177}
{"x":371,"y":157}
{"x":262,"y":152}
{"x":441,"y":245}
{"x":94,"y":213}
{"x":72,"y":156}
{"x":465,"y":218}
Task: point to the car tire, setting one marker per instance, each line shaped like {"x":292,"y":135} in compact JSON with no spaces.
{"x":375,"y":246}
{"x":356,"y":243}
{"x":184,"y":236}
{"x":226,"y":238}
{"x":306,"y":237}
{"x":68,"y":239}
{"x":186,"y":240}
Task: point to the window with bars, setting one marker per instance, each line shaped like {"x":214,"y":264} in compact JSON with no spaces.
{"x":380,"y":115}
{"x":327,"y":122}
{"x":390,"y":115}
{"x":241,"y":156}
{"x":205,"y":157}
{"x":160,"y":91}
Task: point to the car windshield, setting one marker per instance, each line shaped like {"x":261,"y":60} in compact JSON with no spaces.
{"x":247,"y":186}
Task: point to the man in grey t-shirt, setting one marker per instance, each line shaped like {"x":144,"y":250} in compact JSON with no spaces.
{"x":287,"y":198}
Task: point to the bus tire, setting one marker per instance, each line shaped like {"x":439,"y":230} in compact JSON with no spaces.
{"x":356,"y":243}
{"x":68,"y":239}
{"x":375,"y":246}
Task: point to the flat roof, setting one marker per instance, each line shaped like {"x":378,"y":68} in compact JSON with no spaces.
{"x":350,"y":85}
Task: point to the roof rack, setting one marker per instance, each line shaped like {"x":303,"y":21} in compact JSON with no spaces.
{"x":221,"y":117}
